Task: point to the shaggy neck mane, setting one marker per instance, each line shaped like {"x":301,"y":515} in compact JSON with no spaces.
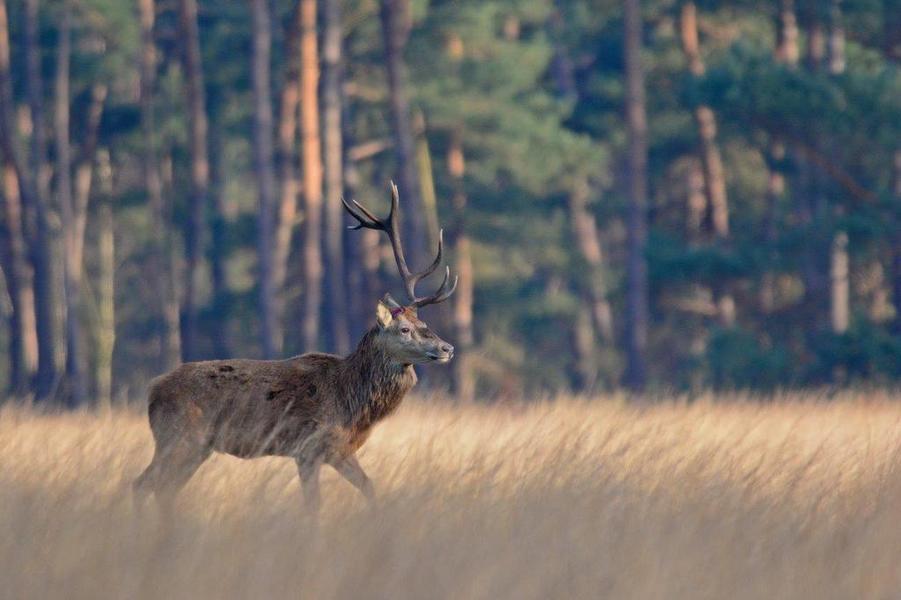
{"x":374,"y":384}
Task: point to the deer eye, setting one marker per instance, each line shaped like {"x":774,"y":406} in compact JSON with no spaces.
{"x":405,"y":330}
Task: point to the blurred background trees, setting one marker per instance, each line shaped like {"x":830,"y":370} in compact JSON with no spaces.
{"x":666,"y":193}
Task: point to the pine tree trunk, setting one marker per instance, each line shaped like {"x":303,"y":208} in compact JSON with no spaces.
{"x":637,"y":232}
{"x":311,"y":166}
{"x":895,"y":245}
{"x":106,"y":310}
{"x":464,"y":382}
{"x":839,"y":277}
{"x":265,"y":172}
{"x":775,"y":190}
{"x":217,"y":253}
{"x":592,"y":282}
{"x":787,"y":50}
{"x":811,"y":208}
{"x":84,"y":171}
{"x":395,"y":29}
{"x":23,"y":335}
{"x":334,"y":177}
{"x":40,"y":239}
{"x":711,"y":160}
{"x":584,"y":345}
{"x":363,"y":254}
{"x":289,"y":186}
{"x":200,"y":172}
{"x":76,"y":392}
{"x":162,"y":266}
{"x":840,"y":309}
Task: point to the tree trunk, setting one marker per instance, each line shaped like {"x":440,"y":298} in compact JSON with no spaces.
{"x":76,"y":392}
{"x":23,"y":336}
{"x":200,"y":172}
{"x":40,"y":239}
{"x":289,"y":186}
{"x":840,"y":309}
{"x":811,"y":207}
{"x":334,"y":177}
{"x":364,"y":255}
{"x":106,"y":309}
{"x":775,"y":189}
{"x":395,"y":29}
{"x":895,"y":244}
{"x":265,"y":172}
{"x":217,"y":252}
{"x":584,"y":345}
{"x":711,"y":160}
{"x":162,"y":266}
{"x":84,"y":171}
{"x":637,"y":269}
{"x":839,"y":277}
{"x":464,"y":382}
{"x":592,"y":281}
{"x":312,"y":174}
{"x":787,"y":50}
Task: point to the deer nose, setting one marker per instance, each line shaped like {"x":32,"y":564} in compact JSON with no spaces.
{"x":447,"y":348}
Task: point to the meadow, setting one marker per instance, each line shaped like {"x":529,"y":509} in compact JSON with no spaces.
{"x":794,"y":496}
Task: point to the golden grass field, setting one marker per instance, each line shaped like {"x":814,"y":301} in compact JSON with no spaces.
{"x":795,"y":497}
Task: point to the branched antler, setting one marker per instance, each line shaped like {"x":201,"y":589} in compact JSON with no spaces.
{"x":390,"y":226}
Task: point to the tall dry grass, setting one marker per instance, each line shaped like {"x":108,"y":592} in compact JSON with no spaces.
{"x":793,"y":498}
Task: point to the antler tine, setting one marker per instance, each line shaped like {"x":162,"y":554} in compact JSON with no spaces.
{"x":368,"y":220}
{"x":391,"y":227}
{"x":440,"y":295}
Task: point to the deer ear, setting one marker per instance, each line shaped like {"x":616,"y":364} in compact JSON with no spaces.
{"x":383,"y":314}
{"x":391,"y":303}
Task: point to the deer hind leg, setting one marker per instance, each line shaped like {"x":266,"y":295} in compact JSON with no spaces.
{"x":172,"y":466}
{"x":349,"y":468}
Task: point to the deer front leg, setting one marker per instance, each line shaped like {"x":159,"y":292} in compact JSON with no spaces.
{"x":349,"y":468}
{"x":308,"y":469}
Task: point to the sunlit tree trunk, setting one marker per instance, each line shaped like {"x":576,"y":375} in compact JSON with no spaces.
{"x":787,"y":50}
{"x":76,"y":392}
{"x":311,"y":166}
{"x":84,"y":171}
{"x":22,"y":335}
{"x":895,"y":245}
{"x":289,"y":186}
{"x":711,"y":161}
{"x":336,"y":314}
{"x":585,"y":345}
{"x":464,"y":381}
{"x":395,"y":31}
{"x":775,"y":190}
{"x":105,"y":337}
{"x":163,"y":260}
{"x":840,"y":297}
{"x":592,"y":280}
{"x":637,"y":232}
{"x":265,"y":172}
{"x":198,"y":127}
{"x":40,"y":239}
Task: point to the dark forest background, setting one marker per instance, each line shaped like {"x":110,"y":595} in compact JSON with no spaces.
{"x":658,"y":194}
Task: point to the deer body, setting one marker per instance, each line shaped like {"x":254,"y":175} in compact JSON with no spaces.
{"x":315,"y":408}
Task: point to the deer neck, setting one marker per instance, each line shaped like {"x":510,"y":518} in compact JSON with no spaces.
{"x":375,"y":384}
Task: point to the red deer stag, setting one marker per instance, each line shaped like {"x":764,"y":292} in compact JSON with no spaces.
{"x":315,"y":408}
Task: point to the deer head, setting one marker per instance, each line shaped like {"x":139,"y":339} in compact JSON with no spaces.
{"x":402,"y":334}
